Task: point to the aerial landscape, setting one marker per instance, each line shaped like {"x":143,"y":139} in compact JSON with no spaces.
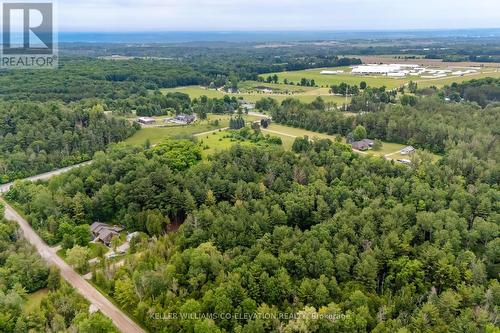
{"x":226,"y":166}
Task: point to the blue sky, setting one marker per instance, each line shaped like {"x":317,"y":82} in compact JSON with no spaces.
{"x":190,"y":15}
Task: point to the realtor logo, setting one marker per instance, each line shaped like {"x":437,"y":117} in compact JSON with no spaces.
{"x":28,"y":35}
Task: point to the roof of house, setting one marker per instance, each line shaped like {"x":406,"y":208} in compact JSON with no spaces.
{"x":96,"y":226}
{"x":106,"y":235}
{"x":408,"y":149}
{"x":362,"y":144}
{"x":102,"y":230}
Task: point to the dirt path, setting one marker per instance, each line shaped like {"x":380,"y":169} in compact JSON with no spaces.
{"x":210,"y":132}
{"x":279,"y":133}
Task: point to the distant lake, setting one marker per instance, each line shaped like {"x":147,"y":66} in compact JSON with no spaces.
{"x":265,"y":36}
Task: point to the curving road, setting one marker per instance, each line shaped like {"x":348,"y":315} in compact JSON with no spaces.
{"x":121,"y":320}
{"x":44,"y":176}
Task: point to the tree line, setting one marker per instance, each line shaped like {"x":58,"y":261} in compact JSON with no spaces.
{"x":38,"y":137}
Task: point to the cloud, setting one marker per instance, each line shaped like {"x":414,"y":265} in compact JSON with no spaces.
{"x":141,"y":15}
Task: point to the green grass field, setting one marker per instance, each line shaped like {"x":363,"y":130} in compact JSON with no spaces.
{"x":214,"y":139}
{"x":215,"y":142}
{"x":422,"y":83}
{"x":251,"y":94}
{"x":329,"y":80}
{"x":157,"y":134}
{"x":373,"y":81}
{"x":34,"y":299}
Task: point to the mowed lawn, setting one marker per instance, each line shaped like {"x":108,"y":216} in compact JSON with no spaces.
{"x":304,"y":94}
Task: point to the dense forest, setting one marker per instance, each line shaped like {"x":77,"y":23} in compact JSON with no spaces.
{"x":38,"y":137}
{"x":23,"y":272}
{"x":483,"y":91}
{"x":431,"y":123}
{"x":346,"y":243}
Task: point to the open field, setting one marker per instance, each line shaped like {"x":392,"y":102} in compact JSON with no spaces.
{"x":157,"y":134}
{"x":252,"y":94}
{"x":379,"y":80}
{"x":212,"y":138}
{"x":490,"y":72}
{"x":329,"y":80}
{"x":393,"y":58}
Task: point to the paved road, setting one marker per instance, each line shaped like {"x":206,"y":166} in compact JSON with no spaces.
{"x":44,"y":176}
{"x":121,"y":320}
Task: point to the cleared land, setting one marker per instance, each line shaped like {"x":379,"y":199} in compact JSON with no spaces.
{"x":393,"y":58}
{"x":253,"y":91}
{"x":157,"y":134}
{"x":213,"y":138}
{"x":329,"y":80}
{"x":379,"y":81}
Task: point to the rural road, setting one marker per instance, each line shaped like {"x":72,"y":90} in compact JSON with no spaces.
{"x":121,"y":321}
{"x":44,"y":176}
{"x":210,"y":132}
{"x":279,"y":133}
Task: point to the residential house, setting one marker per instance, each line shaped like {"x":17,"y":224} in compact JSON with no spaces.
{"x":104,"y":233}
{"x":182,"y":119}
{"x":407,"y":150}
{"x":146,"y":120}
{"x":362,"y":145}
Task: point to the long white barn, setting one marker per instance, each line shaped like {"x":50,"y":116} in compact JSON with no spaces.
{"x":384,"y":69}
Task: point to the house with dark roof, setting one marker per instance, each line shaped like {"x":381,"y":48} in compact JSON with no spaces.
{"x":104,"y":233}
{"x":362,"y":145}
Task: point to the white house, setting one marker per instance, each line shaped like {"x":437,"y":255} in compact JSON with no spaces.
{"x":407,"y":150}
{"x":146,"y":120}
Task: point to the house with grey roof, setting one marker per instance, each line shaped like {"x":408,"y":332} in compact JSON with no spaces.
{"x":362,"y":145}
{"x":104,"y":232}
{"x":407,"y":150}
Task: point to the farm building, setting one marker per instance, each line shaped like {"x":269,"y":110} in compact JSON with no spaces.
{"x":104,"y":233}
{"x":383,"y":69}
{"x":407,"y":150}
{"x":331,"y":72}
{"x":362,"y":145}
{"x":248,"y":106}
{"x":146,"y":120}
{"x":181,"y":119}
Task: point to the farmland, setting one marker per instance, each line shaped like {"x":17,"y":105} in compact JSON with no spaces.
{"x":253,"y":91}
{"x":377,"y":81}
